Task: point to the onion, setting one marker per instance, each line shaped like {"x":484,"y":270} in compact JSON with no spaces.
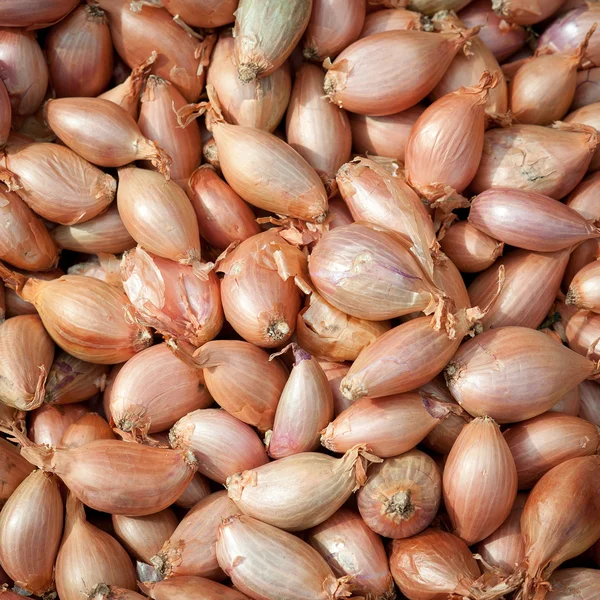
{"x":104,"y":233}
{"x":102,"y":132}
{"x":536,"y":222}
{"x":550,"y":161}
{"x":583,"y":289}
{"x":73,"y":380}
{"x":566,"y":582}
{"x":260,"y":103}
{"x":299,"y":491}
{"x":32,"y":514}
{"x":48,"y":424}
{"x":144,"y":536}
{"x":80,"y":55}
{"x":191,"y":547}
{"x":338,"y":214}
{"x":181,"y":58}
{"x":383,"y":136}
{"x":203,"y":13}
{"x":210,"y":153}
{"x":588,"y":115}
{"x":223,"y":217}
{"x":197,"y":489}
{"x":111,"y":592}
{"x":24,"y":69}
{"x":583,"y":198}
{"x":587,"y":90}
{"x":13,"y":470}
{"x":221,"y":444}
{"x":429,"y":7}
{"x":569,"y":405}
{"x":581,"y":330}
{"x":542,"y":443}
{"x":191,"y":588}
{"x":245,"y":551}
{"x":394,"y":19}
{"x":366,"y":79}
{"x":469,"y":249}
{"x":24,"y":241}
{"x":75,"y":311}
{"x":335,"y":372}
{"x":513,"y":373}
{"x":532,"y":280}
{"x":5,"y":114}
{"x":260,"y":298}
{"x":402,"y":495}
{"x":105,"y":269}
{"x":266,"y":32}
{"x":552,"y":534}
{"x":352,"y":550}
{"x":87,"y":429}
{"x":590,"y":402}
{"x":32,"y":14}
{"x":79,"y":569}
{"x":526,"y":12}
{"x":584,"y":254}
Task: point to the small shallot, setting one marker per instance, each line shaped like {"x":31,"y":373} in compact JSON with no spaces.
{"x":570,"y":403}
{"x":584,"y":254}
{"x":394,"y":19}
{"x":567,"y":582}
{"x":587,"y":90}
{"x":584,"y":289}
{"x":48,"y":424}
{"x":87,"y":429}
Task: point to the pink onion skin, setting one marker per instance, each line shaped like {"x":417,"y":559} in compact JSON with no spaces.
{"x":197,"y":489}
{"x":32,"y":15}
{"x":387,"y":426}
{"x":564,"y":582}
{"x":507,"y":396}
{"x":534,"y":159}
{"x":352,"y":549}
{"x":583,"y":255}
{"x":582,"y":330}
{"x":19,"y":471}
{"x":384,"y":136}
{"x":188,"y":587}
{"x":221,"y":444}
{"x":367,"y":66}
{"x":527,"y":12}
{"x":87,"y":429}
{"x":402,"y":495}
{"x":223,"y":217}
{"x":430,"y":7}
{"x":589,"y":408}
{"x":394,"y":19}
{"x":587,"y":90}
{"x":570,"y":403}
{"x":583,"y":289}
{"x":542,"y":443}
{"x":339,"y":214}
{"x":191,"y":548}
{"x":536,"y":222}
{"x":333,"y":25}
{"x":6,"y":112}
{"x":531,"y":282}
{"x":24,"y":70}
{"x":504,"y":548}
{"x":582,"y":198}
{"x":203,"y":13}
{"x":48,"y":424}
{"x":449,"y":279}
{"x":588,"y":115}
{"x":335,"y":372}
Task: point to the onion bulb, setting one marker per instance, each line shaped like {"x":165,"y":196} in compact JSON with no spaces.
{"x":48,"y":424}
{"x":394,"y":19}
{"x":203,"y":13}
{"x":188,"y":587}
{"x":590,"y":402}
{"x":587,"y":91}
{"x":13,"y":470}
{"x":583,"y":290}
{"x":566,"y":582}
{"x":526,"y":12}
{"x":87,"y":429}
{"x":569,"y":404}
{"x":32,"y":14}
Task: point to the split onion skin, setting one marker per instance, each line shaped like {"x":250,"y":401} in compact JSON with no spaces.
{"x":587,"y":90}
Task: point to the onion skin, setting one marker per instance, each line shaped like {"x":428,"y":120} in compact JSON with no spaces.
{"x":144,"y":536}
{"x":587,"y":90}
{"x":429,"y":7}
{"x":569,"y":405}
{"x":80,"y":56}
{"x":402,"y":495}
{"x":24,"y":70}
{"x":112,"y":592}
{"x":566,"y":582}
{"x":335,"y":372}
{"x":590,"y":402}
{"x":535,"y":159}
{"x":582,"y":198}
{"x":191,"y":588}
{"x":580,"y":330}
{"x":154,"y":390}
{"x":13,"y":470}
{"x":588,"y":115}
{"x":33,"y":513}
{"x":299,"y":491}
{"x":304,"y":573}
{"x":197,"y":489}
{"x":583,"y":290}
{"x":260,"y":103}
{"x":394,"y":19}
{"x":366,"y":66}
{"x":508,"y":352}
{"x":48,"y":424}
{"x":526,"y":12}
{"x":34,"y":15}
{"x":87,"y":429}
{"x":352,"y":549}
{"x":542,"y":443}
{"x":265,"y":34}
{"x":221,"y":444}
{"x":536,"y":222}
{"x":223,"y":217}
{"x":552,"y":534}
{"x":6,"y":114}
{"x":203,"y":13}
{"x":469,"y":249}
{"x":532,"y":280}
{"x":583,"y":255}
{"x":191,"y":548}
{"x":448,"y":278}
{"x":25,"y":242}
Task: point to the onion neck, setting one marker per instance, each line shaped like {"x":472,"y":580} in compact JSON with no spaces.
{"x":400,"y":505}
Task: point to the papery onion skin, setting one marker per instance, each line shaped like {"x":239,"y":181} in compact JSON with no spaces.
{"x":299,"y":566}
{"x":587,"y":90}
{"x":191,"y":548}
{"x":112,"y":592}
{"x":536,"y":222}
{"x":394,"y":19}
{"x":486,"y":376}
{"x":87,"y":429}
{"x":583,"y":255}
{"x":197,"y":489}
{"x":580,"y":329}
{"x":567,"y":582}
{"x":583,"y":289}
{"x":48,"y":424}
{"x":335,"y":372}
{"x":402,"y":495}
{"x":265,"y":34}
{"x":34,"y":15}
{"x":590,"y":402}
{"x":13,"y":470}
{"x":352,"y":549}
{"x":526,"y":12}
{"x":6,"y":114}
{"x":105,"y":270}
{"x":429,"y":7}
{"x":203,"y":13}
{"x":221,"y":444}
{"x":309,"y":486}
{"x":223,"y":217}
{"x":188,"y":587}
{"x":542,"y":443}
{"x":80,"y":55}
{"x":569,"y":404}
{"x":31,"y":525}
{"x":24,"y":70}
{"x":588,"y":115}
{"x":449,"y":279}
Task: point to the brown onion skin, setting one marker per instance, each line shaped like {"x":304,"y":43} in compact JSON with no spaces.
{"x":87,"y":429}
{"x":32,"y":14}
{"x":191,"y":588}
{"x":532,"y":280}
{"x":24,"y":70}
{"x":112,"y":592}
{"x":582,"y":198}
{"x":223,"y":217}
{"x":583,"y":255}
{"x":583,"y":289}
{"x":536,"y":222}
{"x":352,"y":549}
{"x":542,"y":443}
{"x":469,"y":249}
{"x":13,"y":470}
{"x":80,"y":56}
{"x":569,"y":405}
{"x":197,"y":489}
{"x":507,"y":396}
{"x":221,"y":444}
{"x":402,"y":495}
{"x":31,"y":525}
{"x":203,"y":13}
{"x":142,"y":537}
{"x":580,"y":330}
{"x":550,"y":161}
{"x":48,"y":424}
{"x":587,"y":90}
{"x":394,"y":19}
{"x":191,"y":548}
{"x":449,"y":279}
{"x":588,"y":115}
{"x":590,"y":402}
{"x":525,"y":12}
{"x":566,"y":582}
{"x":6,"y":114}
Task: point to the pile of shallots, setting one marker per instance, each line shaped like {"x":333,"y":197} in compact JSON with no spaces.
{"x":299,"y":299}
